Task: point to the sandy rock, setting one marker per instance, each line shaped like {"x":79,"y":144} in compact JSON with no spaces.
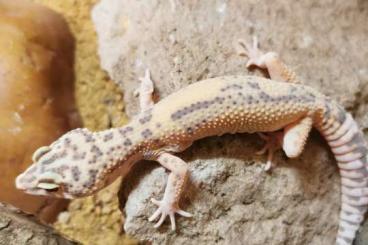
{"x":232,"y":199}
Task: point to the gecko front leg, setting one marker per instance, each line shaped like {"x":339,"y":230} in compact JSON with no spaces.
{"x":169,"y":205}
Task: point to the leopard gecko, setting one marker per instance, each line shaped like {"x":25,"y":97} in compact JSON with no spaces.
{"x":82,"y":162}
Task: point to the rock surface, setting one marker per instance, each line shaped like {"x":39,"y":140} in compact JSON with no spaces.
{"x":232,"y":199}
{"x":18,"y":228}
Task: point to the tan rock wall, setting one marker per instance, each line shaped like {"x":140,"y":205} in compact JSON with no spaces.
{"x":36,"y":94}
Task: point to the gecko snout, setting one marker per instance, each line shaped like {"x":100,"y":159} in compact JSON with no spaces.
{"x":46,"y":184}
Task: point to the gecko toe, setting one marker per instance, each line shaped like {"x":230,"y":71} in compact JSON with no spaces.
{"x":268,"y":166}
{"x":154,"y":215}
{"x":184,"y":213}
{"x":161,"y":220}
{"x":157,"y":202}
{"x":172,"y":220}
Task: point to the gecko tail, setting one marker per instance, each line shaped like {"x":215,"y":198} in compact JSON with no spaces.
{"x":350,"y":149}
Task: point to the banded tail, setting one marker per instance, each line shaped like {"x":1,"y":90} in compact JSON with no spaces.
{"x":350,"y":150}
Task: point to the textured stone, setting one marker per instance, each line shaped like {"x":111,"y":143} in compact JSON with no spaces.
{"x":17,"y":228}
{"x":232,"y":199}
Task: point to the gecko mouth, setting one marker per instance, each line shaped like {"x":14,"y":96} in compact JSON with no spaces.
{"x":43,"y":189}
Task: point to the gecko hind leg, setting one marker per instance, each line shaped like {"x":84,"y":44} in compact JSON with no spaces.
{"x":169,"y":205}
{"x":273,"y":143}
{"x":292,"y":140}
{"x":277,"y":70}
{"x":295,"y":136}
{"x":145,"y":91}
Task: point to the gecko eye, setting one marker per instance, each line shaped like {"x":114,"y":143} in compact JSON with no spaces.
{"x":49,"y":187}
{"x":49,"y":181}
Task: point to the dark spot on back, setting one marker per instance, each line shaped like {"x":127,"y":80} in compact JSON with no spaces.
{"x":254,"y":85}
{"x":293,"y":89}
{"x":79,"y":156}
{"x":146,"y":133}
{"x":123,"y":131}
{"x":127,"y":142}
{"x":231,"y":87}
{"x":264,"y":96}
{"x":96,"y":150}
{"x":60,"y":170}
{"x":108,"y":136}
{"x":89,"y":138}
{"x":75,"y":173}
{"x":50,"y":160}
{"x":92,"y":174}
{"x":146,"y":117}
{"x":195,"y":106}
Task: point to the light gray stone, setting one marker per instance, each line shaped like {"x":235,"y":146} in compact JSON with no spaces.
{"x":232,"y":200}
{"x":235,"y":202}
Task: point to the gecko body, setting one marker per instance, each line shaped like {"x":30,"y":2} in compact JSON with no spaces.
{"x":82,"y":162}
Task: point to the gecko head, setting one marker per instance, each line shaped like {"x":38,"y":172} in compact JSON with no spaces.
{"x":56,"y":169}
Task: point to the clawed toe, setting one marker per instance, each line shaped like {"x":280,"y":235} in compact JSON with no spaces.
{"x":252,"y":52}
{"x":184,"y":213}
{"x":268,"y":166}
{"x":165,"y":209}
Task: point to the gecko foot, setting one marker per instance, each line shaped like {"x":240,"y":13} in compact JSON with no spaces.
{"x":255,"y":55}
{"x":146,"y":84}
{"x":252,"y":52}
{"x":145,"y":91}
{"x":273,"y":143}
{"x":165,"y":209}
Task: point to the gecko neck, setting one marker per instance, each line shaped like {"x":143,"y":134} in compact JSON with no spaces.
{"x":134,"y":140}
{"x":121,"y":148}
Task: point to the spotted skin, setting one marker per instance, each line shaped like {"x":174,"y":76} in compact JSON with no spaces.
{"x":82,"y":162}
